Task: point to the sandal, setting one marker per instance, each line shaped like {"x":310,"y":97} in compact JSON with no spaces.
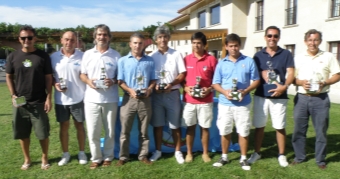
{"x":45,"y":166}
{"x":94,"y":165}
{"x":25,"y":166}
{"x":107,"y":163}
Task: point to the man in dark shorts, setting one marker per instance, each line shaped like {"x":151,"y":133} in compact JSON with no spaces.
{"x":69,"y":94}
{"x":33,"y":81}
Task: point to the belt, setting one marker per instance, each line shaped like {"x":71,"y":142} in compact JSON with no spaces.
{"x":307,"y":94}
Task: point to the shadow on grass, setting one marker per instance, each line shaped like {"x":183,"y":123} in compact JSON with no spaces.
{"x":5,"y":115}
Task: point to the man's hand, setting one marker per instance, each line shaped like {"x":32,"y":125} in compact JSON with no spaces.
{"x":57,"y":87}
{"x":132,"y":93}
{"x":227,"y":94}
{"x":189,"y":90}
{"x":243,"y":94}
{"x":13,"y":100}
{"x":48,"y":105}
{"x":108,"y":82}
{"x":205,"y":92}
{"x":148,"y":92}
{"x":278,"y":91}
{"x":90,"y":83}
{"x":305,"y":84}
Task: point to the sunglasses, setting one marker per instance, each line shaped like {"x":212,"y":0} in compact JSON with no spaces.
{"x":275,"y":36}
{"x":28,"y":38}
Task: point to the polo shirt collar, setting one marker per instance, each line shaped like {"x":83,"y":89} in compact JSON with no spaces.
{"x":320,"y":52}
{"x":130,"y":55}
{"x":241,"y":57}
{"x":279,"y":50}
{"x":109,"y":50}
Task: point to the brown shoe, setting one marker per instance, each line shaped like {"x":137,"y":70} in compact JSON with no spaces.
{"x":107,"y":163}
{"x":120,"y":163}
{"x":294,"y":163}
{"x":146,"y":161}
{"x":322,"y":167}
{"x":94,"y":165}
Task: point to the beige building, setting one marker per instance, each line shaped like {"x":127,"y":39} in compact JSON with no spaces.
{"x":249,"y":19}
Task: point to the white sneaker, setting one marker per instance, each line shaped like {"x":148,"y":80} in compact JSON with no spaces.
{"x":155,"y":156}
{"x":245,"y":165}
{"x":64,"y":159}
{"x":253,"y":158}
{"x":179,"y":157}
{"x":82,"y":158}
{"x":283,"y":161}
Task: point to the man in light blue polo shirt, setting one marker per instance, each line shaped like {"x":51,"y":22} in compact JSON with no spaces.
{"x":232,"y":79}
{"x":136,"y":75}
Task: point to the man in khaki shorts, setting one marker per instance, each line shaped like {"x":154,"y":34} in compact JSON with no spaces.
{"x":274,"y":101}
{"x":200,"y":67}
{"x":69,"y":94}
{"x":33,"y":81}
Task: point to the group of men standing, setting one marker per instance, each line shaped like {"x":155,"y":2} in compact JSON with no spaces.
{"x":86,"y":88}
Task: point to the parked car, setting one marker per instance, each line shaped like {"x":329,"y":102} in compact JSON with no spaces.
{"x":2,"y":64}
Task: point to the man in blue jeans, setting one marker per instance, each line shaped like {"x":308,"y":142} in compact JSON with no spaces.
{"x":313,"y":68}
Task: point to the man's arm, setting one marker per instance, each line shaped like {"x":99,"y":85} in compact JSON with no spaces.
{"x":178,"y":80}
{"x":86,"y":80}
{"x":48,"y":88}
{"x":123,"y":85}
{"x":10,"y":86}
{"x":152,"y":85}
{"x":280,"y":89}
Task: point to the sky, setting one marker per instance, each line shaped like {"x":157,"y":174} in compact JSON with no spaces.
{"x":119,"y":15}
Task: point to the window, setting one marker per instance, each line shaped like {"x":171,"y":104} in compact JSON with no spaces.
{"x":178,"y":42}
{"x":334,"y":47}
{"x":171,"y":43}
{"x":215,"y":14}
{"x":201,"y":19}
{"x":259,"y":17}
{"x":257,"y":49}
{"x":291,"y":48}
{"x":291,"y":12}
{"x":335,"y":9}
{"x":186,"y":42}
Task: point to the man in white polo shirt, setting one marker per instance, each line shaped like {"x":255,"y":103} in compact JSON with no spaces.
{"x":166,"y":104}
{"x":69,"y":94}
{"x":316,"y":70}
{"x":101,"y":100}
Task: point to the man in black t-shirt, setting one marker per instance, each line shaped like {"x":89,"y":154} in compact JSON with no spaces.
{"x":31,"y":94}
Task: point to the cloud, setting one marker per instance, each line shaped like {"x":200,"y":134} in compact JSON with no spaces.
{"x":119,"y":17}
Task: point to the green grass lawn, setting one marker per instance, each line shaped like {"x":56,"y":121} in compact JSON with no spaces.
{"x":11,"y":157}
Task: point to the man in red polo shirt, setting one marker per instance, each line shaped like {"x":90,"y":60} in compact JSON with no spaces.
{"x":198,"y":96}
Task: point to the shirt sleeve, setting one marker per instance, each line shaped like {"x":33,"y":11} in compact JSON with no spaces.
{"x":217,"y":79}
{"x":254,"y":73}
{"x":83,"y":64}
{"x":9,"y":65}
{"x":180,"y":64}
{"x":153,"y":75}
{"x":120,"y":69}
{"x":334,"y":66}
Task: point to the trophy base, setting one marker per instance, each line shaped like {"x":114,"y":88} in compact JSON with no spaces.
{"x":141,"y":93}
{"x":19,"y":101}
{"x":197,"y":93}
{"x":100,"y":84}
{"x":161,"y":86}
{"x":236,"y":95}
{"x":314,"y":87}
{"x":267,"y":87}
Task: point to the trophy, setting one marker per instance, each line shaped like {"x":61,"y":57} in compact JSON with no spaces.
{"x":314,"y":82}
{"x":62,"y":83}
{"x":101,"y":82}
{"x":162,"y":75}
{"x":234,"y":90}
{"x":197,"y":88}
{"x":19,"y":101}
{"x":272,"y":79}
{"x":140,"y":91}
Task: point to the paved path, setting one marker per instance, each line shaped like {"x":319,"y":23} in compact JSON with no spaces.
{"x":2,"y":77}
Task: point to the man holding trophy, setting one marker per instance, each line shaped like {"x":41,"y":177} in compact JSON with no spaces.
{"x":198,"y":96}
{"x":276,"y":68}
{"x":136,"y":75}
{"x":166,"y":102}
{"x":99,"y":72}
{"x":316,"y":70}
{"x":232,"y":79}
{"x":69,"y":94}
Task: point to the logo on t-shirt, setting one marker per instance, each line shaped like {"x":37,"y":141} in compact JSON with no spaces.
{"x":27,"y":63}
{"x":76,"y":64}
{"x":205,"y":68}
{"x":109,"y":64}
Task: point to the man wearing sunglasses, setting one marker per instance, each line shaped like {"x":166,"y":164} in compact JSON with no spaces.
{"x":32,"y":84}
{"x":272,"y":60}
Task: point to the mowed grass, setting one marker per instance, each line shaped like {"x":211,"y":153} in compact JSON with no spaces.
{"x":11,"y":156}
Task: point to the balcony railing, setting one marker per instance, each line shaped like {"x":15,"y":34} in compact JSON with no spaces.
{"x":291,"y":16}
{"x":259,"y":23}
